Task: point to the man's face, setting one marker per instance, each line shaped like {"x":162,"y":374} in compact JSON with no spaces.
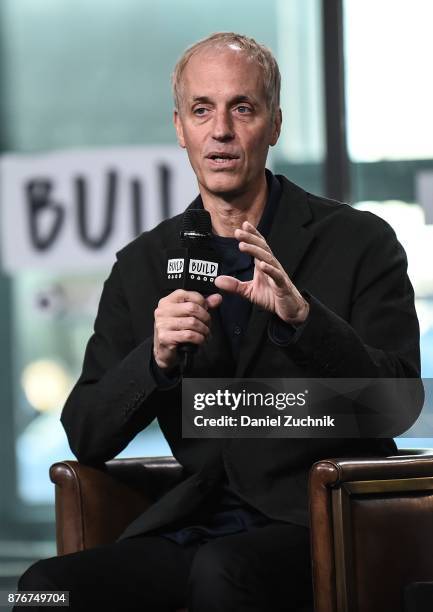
{"x":224,"y":122}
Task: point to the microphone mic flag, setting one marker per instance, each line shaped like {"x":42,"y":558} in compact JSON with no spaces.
{"x":193,"y":266}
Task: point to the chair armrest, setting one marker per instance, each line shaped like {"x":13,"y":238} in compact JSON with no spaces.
{"x":95,"y":504}
{"x":331,"y":474}
{"x":409,"y":463}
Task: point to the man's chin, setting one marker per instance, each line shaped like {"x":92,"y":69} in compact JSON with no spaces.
{"x":225,"y":186}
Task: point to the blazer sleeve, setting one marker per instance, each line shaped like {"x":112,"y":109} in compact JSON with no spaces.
{"x":116,"y":395}
{"x":380,"y":337}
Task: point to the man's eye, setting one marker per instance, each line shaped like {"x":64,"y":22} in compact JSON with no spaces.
{"x":243,"y":110}
{"x":199,"y":111}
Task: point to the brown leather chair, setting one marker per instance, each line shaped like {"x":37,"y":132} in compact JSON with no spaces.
{"x":371,"y":520}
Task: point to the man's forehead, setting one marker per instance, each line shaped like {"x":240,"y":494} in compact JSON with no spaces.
{"x":221,"y":54}
{"x":209,"y":69}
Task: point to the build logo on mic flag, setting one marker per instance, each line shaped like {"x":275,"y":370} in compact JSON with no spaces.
{"x":192,"y":269}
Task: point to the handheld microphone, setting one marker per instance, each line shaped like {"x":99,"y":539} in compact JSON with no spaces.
{"x":193,"y":267}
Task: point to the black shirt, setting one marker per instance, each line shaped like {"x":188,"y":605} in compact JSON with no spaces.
{"x":235,"y":311}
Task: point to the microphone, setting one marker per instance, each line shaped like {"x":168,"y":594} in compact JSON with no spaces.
{"x":193,"y":267}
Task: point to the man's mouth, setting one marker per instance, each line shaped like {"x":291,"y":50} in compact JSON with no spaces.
{"x":222,"y":158}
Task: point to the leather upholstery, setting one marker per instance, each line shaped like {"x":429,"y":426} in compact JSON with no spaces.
{"x":371,"y":519}
{"x":378,"y":513}
{"x":93,"y":506}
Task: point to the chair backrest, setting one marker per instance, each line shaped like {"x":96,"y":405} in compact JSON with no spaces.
{"x":371,"y":530}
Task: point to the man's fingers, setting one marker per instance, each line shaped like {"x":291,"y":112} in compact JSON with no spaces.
{"x":232,"y":285}
{"x":181,"y":295}
{"x":257,"y":251}
{"x":182,"y":316}
{"x":251,"y":238}
{"x":173,"y":338}
{"x":277,"y":276}
{"x":180,"y":323}
{"x":249,"y":227}
{"x":188,"y":309}
{"x":214,"y":300}
{"x":227,"y":283}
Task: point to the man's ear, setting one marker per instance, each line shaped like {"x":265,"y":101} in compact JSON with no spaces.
{"x":179,"y":128}
{"x":276,"y":127}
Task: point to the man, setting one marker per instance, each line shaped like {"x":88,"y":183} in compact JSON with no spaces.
{"x":310,"y":287}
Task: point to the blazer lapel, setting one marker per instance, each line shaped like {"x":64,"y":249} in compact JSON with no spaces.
{"x":289,"y":240}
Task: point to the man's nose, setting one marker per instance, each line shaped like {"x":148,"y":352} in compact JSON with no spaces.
{"x":222,"y":128}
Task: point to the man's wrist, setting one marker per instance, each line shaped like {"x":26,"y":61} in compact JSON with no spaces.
{"x":165,"y":377}
{"x":300,"y":317}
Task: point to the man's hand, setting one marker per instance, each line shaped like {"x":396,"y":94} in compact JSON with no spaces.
{"x":270,"y":287}
{"x":180,"y":317}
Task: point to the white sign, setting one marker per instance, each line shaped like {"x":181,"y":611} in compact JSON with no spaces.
{"x":72,"y":210}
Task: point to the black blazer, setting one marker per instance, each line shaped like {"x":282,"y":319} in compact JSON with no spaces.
{"x":362,"y":323}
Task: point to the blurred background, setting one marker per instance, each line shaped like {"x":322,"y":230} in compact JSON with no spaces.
{"x":88,"y":159}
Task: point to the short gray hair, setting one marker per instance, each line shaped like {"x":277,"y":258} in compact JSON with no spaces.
{"x":255,"y":51}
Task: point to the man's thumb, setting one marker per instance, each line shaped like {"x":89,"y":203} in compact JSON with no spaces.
{"x":214,"y":300}
{"x":227,"y":283}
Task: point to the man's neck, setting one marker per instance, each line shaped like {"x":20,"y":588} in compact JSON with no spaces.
{"x":228,"y":213}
